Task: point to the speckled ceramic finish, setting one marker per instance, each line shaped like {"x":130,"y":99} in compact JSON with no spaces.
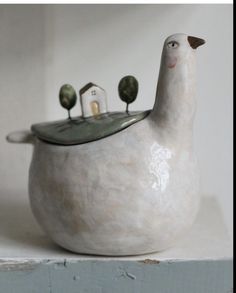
{"x":133,"y":192}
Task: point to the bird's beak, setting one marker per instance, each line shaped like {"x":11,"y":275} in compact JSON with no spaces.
{"x":195,"y":42}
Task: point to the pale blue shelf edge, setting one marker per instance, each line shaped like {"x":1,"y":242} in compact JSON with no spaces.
{"x":115,"y":276}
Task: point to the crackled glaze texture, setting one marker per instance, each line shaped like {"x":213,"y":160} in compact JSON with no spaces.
{"x":133,"y":192}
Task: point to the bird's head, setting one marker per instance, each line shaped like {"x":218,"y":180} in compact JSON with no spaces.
{"x":178,"y":48}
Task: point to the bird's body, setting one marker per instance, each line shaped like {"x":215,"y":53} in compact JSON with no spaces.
{"x":112,"y":198}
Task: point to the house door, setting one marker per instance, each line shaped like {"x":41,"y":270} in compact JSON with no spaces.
{"x":95,"y":108}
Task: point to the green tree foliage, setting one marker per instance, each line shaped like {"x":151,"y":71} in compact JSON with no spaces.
{"x":128,"y":89}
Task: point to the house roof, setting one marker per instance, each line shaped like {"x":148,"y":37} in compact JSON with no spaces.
{"x":87,"y":87}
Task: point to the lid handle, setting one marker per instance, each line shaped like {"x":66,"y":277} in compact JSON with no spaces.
{"x":21,"y":136}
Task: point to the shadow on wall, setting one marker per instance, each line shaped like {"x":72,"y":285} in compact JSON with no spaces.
{"x":18,"y":228}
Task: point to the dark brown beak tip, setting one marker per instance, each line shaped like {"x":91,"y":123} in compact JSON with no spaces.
{"x":195,"y":42}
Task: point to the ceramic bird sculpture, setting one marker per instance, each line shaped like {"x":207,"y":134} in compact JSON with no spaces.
{"x":132,"y":192}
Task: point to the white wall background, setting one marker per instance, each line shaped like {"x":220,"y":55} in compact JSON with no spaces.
{"x":45,"y":46}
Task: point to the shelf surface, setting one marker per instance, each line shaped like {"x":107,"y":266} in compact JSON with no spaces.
{"x":22,"y":239}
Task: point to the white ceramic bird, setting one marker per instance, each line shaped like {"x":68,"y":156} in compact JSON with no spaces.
{"x":135,"y":191}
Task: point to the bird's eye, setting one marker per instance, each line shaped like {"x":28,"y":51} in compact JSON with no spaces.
{"x":173,"y":44}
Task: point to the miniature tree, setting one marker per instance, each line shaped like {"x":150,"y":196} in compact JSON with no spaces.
{"x":128,"y":90}
{"x":67,"y":97}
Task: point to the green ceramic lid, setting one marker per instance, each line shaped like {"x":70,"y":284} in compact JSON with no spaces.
{"x":82,"y":130}
{"x":95,"y":123}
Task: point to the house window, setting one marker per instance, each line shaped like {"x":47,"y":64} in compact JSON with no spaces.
{"x":93,"y":93}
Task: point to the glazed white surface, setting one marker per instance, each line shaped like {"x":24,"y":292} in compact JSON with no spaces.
{"x":133,"y":192}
